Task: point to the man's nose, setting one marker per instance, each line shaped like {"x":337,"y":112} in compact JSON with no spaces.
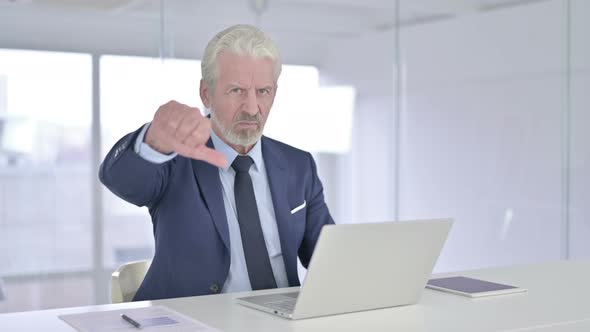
{"x":251,"y":102}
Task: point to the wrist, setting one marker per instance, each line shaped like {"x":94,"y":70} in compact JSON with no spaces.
{"x":154,"y":144}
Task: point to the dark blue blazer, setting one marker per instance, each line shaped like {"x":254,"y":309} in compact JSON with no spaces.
{"x":184,"y":198}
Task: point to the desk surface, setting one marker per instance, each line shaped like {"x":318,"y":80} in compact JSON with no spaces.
{"x":558,"y":300}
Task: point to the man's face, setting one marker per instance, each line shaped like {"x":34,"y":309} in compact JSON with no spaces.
{"x":242,"y":98}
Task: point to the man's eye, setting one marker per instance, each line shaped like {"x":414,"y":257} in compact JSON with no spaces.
{"x":264,"y":92}
{"x":236,"y":90}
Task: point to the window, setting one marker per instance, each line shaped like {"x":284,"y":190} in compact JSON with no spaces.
{"x":45,"y":176}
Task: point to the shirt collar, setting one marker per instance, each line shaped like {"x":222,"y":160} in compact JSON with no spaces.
{"x":230,"y":154}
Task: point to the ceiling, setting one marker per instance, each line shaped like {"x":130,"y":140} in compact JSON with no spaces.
{"x":382,"y":11}
{"x":303,"y":28}
{"x":352,"y":39}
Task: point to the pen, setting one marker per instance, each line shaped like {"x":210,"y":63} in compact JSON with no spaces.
{"x":131,"y":321}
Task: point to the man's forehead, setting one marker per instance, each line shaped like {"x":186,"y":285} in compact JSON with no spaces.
{"x":244,"y":71}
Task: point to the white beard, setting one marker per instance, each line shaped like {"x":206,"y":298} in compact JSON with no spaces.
{"x":245,"y":137}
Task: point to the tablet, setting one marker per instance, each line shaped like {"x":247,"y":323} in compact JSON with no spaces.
{"x":471,"y":287}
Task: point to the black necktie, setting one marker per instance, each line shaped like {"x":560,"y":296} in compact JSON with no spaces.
{"x":257,"y":260}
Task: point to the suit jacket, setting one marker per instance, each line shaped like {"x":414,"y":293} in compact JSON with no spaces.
{"x":184,"y":198}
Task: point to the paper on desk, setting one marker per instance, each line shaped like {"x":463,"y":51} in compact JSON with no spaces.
{"x":156,"y":318}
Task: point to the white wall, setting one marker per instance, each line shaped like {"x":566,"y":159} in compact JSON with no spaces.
{"x":360,"y":185}
{"x":482,"y":134}
{"x":580,"y":135}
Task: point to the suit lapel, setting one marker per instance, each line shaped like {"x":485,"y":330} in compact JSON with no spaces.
{"x":207,"y":177}
{"x":277,"y":172}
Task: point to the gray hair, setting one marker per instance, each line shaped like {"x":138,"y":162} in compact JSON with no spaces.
{"x":239,"y":39}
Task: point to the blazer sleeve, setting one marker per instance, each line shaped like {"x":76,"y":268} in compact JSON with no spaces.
{"x":317,"y":216}
{"x":133,"y":178}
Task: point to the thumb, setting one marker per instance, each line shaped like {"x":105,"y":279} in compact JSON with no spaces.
{"x":210,"y":156}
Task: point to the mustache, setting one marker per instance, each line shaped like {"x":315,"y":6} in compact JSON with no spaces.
{"x":243,"y":116}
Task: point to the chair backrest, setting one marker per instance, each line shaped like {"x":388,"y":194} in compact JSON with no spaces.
{"x":126,"y":280}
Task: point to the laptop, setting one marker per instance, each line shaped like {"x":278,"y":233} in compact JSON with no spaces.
{"x":358,"y":267}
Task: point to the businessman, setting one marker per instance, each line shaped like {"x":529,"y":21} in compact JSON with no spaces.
{"x":231,"y":209}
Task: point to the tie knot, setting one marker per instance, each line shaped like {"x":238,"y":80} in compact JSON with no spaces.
{"x":242,"y":163}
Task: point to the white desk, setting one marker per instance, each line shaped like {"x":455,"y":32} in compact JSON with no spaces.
{"x":558,"y":300}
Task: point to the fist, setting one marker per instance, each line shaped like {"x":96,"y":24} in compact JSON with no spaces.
{"x":182,"y":129}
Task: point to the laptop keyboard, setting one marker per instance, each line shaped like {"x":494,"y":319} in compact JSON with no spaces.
{"x":284,"y":306}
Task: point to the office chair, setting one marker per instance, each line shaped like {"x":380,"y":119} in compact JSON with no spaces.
{"x":126,"y":280}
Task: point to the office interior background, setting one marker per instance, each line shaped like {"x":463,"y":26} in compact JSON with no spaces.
{"x":472,"y":109}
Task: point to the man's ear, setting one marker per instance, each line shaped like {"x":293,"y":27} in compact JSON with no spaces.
{"x":205,"y":91}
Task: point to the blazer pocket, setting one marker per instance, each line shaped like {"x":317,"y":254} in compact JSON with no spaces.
{"x":300,"y":207}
